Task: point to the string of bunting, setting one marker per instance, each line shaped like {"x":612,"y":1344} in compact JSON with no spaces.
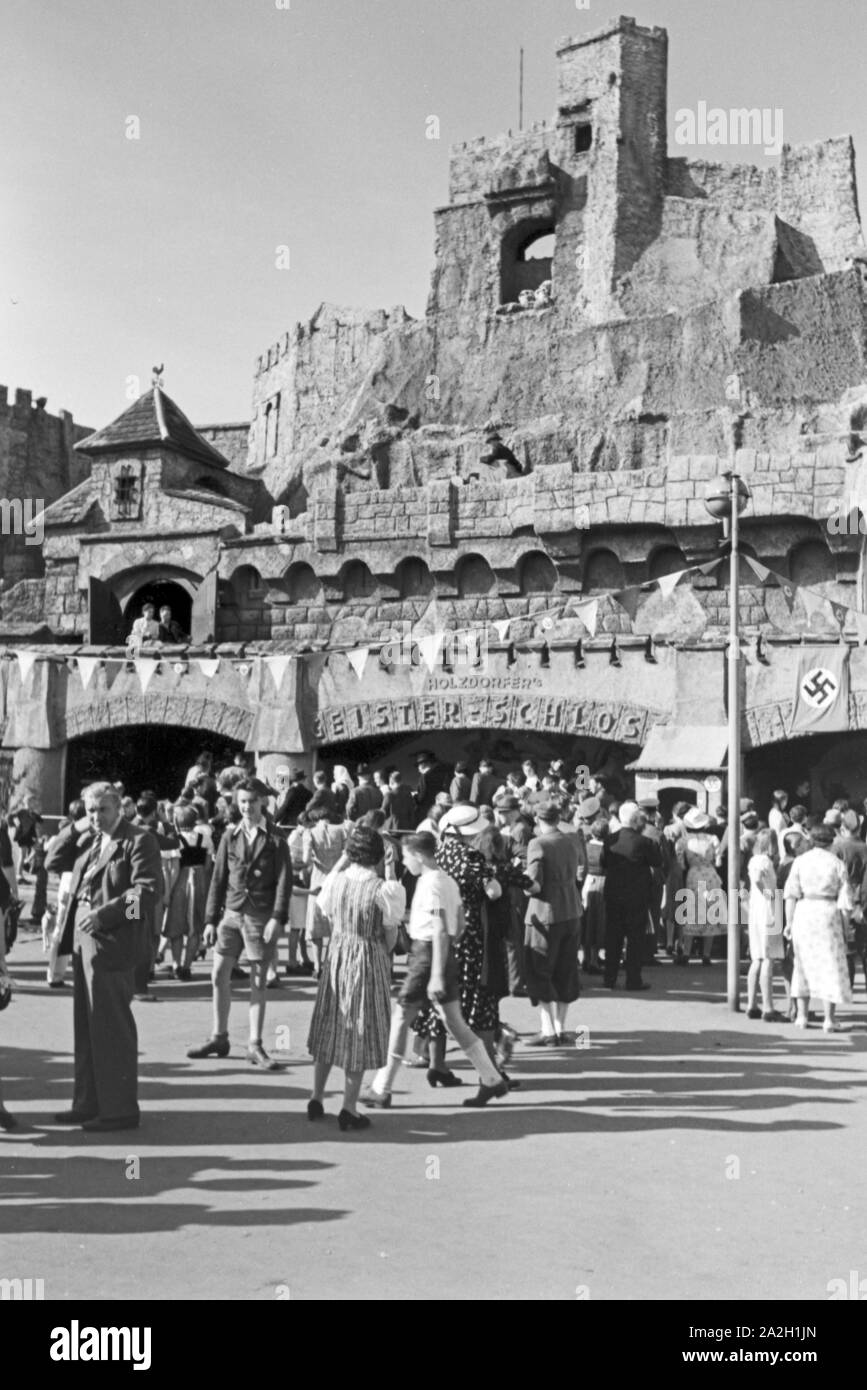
{"x":430,"y":644}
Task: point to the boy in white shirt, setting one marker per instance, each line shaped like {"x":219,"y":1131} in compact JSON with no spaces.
{"x":432,"y":974}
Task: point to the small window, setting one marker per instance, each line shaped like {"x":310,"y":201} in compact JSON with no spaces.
{"x":272,"y":420}
{"x":583,"y":137}
{"x":126,"y":492}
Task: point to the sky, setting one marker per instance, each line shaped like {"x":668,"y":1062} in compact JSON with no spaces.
{"x":302,"y":124}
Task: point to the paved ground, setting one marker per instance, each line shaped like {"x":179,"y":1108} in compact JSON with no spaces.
{"x":687,"y":1153}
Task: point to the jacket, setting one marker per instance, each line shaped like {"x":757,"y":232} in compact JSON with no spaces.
{"x":260,"y":884}
{"x":629,"y":860}
{"x":553,"y":861}
{"x":123,"y":891}
{"x":363,"y":798}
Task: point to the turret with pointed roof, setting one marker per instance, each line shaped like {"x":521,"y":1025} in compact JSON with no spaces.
{"x":154,"y":420}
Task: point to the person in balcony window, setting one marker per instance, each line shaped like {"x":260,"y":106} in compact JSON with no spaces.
{"x":170,"y":631}
{"x":145,"y":629}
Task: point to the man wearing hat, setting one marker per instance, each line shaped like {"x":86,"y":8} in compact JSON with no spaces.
{"x":433,"y":778}
{"x":294,"y":799}
{"x":649,"y":808}
{"x":629,"y":859}
{"x":364,"y":796}
{"x":552,"y":923}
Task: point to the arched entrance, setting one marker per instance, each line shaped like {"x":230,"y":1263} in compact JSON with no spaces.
{"x":160,"y":592}
{"x":834,"y":764}
{"x":143,"y":756}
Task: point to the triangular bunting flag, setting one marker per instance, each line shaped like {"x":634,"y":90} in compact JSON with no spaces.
{"x":860,"y":621}
{"x":501,"y":626}
{"x":588,"y":612}
{"x":429,"y":648}
{"x":787,"y":588}
{"x":760,"y":571}
{"x":358,"y":660}
{"x":278,"y":666}
{"x":145,"y":667}
{"x":710,"y":566}
{"x":316,"y":662}
{"x":841,"y":613}
{"x":628,"y":599}
{"x":667,"y":583}
{"x":813,"y":603}
{"x":25,"y":664}
{"x":86,"y":667}
{"x":209,"y":666}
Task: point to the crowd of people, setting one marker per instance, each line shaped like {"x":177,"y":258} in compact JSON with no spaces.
{"x":492,"y":882}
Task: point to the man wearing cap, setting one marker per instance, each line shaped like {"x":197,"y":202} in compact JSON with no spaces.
{"x":364,"y":796}
{"x":552,"y":923}
{"x":293,"y":800}
{"x":485,"y":784}
{"x":649,"y":808}
{"x":628,"y":860}
{"x":251,"y":886}
{"x":433,"y":778}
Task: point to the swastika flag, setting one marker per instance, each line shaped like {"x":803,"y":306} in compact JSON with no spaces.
{"x":821,"y":691}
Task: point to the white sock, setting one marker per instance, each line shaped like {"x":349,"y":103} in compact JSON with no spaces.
{"x":478,"y":1055}
{"x":548,"y":1026}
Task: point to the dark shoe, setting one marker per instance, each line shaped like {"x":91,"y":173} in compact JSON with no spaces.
{"x":74,"y":1117}
{"x":239,"y":974}
{"x":7,"y":1122}
{"x":705,"y":960}
{"x":99,"y":1126}
{"x":443,"y":1078}
{"x":540,"y":1040}
{"x":380,"y":1100}
{"x":183,"y":973}
{"x":57,"y":984}
{"x":754,"y":1013}
{"x":634,"y":989}
{"x":512,"y":1082}
{"x":258,"y":1057}
{"x":296,"y":970}
{"x":315,"y":1110}
{"x":773,"y":1017}
{"x":214,"y":1047}
{"x":347,"y":1121}
{"x":486,"y":1093}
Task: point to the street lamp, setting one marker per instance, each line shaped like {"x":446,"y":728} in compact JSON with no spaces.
{"x":726,"y":499}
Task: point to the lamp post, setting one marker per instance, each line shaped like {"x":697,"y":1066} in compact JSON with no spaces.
{"x":726,"y":499}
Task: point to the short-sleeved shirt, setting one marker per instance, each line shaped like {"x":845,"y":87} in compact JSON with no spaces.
{"x":435,"y":892}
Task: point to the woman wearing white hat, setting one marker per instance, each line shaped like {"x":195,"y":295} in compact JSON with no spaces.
{"x":705,"y":902}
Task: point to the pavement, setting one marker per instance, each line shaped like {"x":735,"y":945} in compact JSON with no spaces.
{"x":681,"y":1152}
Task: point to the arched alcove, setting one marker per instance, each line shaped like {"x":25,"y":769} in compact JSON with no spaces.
{"x":602,"y":571}
{"x":537,"y":574}
{"x":413,"y":579}
{"x":474,"y":577}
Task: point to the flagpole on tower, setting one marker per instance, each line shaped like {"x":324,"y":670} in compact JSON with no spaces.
{"x":521,"y":91}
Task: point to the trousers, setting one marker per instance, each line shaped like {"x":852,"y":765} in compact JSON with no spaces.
{"x":106,"y":1038}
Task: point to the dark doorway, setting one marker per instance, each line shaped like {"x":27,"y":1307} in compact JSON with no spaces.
{"x":160,"y":592}
{"x":144,"y":757}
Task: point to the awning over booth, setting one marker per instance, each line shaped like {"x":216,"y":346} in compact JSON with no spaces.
{"x":683,"y":748}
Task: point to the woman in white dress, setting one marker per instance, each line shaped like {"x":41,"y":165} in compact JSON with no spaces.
{"x":706,"y":915}
{"x":765,"y":928}
{"x":818,"y":903}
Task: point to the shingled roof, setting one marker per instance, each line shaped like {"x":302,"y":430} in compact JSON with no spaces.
{"x":154,"y":420}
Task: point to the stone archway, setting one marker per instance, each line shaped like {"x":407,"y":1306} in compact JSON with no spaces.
{"x":201,"y":712}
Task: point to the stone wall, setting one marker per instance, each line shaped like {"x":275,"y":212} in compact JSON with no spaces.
{"x":37,"y":462}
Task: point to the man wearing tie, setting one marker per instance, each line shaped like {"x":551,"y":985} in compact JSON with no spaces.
{"x":115,"y":872}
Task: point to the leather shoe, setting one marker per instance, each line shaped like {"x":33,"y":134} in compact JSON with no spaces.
{"x":486,"y":1093}
{"x":258,"y":1057}
{"x":99,"y":1126}
{"x":214,"y":1047}
{"x":541,"y":1040}
{"x":74,"y":1117}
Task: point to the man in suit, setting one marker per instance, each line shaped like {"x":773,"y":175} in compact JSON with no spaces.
{"x":554,"y":860}
{"x":293,"y":800}
{"x":399,"y":805}
{"x":433,"y":778}
{"x":249,"y":898}
{"x":108,"y":918}
{"x":364,"y":797}
{"x":461,"y":784}
{"x":485,"y":784}
{"x":629,"y":860}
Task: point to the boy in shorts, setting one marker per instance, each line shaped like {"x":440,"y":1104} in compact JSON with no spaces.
{"x":249,"y":896}
{"x":433,"y":975}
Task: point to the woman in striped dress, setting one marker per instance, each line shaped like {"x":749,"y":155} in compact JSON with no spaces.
{"x":352,"y":1015}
